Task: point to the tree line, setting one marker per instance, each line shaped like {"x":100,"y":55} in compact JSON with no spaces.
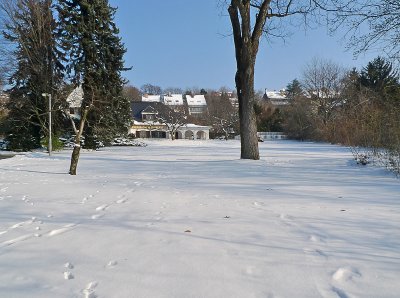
{"x":58,"y":46}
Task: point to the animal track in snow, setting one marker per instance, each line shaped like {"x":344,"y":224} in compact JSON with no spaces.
{"x":68,"y":275}
{"x":316,"y":239}
{"x":15,"y":240}
{"x":102,"y":207}
{"x":345,"y":274}
{"x":97,"y":216}
{"x":121,"y":200}
{"x":112,"y":264}
{"x":64,"y":229}
{"x":89,"y":290}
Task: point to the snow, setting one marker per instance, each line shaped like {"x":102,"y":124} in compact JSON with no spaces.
{"x":196,"y":100}
{"x":190,"y":219}
{"x":151,"y":98}
{"x":173,"y":99}
{"x":75,"y":98}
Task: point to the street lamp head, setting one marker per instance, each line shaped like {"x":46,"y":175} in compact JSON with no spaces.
{"x":45,"y":94}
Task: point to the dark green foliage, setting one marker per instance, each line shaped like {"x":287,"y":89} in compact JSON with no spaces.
{"x":90,"y":40}
{"x":269,"y":118}
{"x":32,"y":29}
{"x":380,"y":77}
{"x":294,"y":89}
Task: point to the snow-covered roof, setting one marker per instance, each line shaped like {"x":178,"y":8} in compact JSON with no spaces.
{"x":281,"y":94}
{"x":193,"y":126}
{"x":151,"y":98}
{"x":75,"y":98}
{"x":196,"y":100}
{"x":147,"y":123}
{"x":173,"y":99}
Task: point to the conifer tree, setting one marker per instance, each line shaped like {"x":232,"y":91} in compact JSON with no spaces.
{"x":95,"y":54}
{"x":380,"y":76}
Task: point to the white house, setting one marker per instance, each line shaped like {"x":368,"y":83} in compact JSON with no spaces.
{"x":146,"y":125}
{"x":74,"y":101}
{"x":151,"y":98}
{"x":277,"y":98}
{"x":197,"y":104}
{"x":173,"y":99}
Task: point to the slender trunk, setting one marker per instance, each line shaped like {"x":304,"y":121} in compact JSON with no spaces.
{"x":77,"y":145}
{"x":74,"y":159}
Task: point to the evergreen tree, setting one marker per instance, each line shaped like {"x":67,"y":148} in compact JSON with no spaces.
{"x":31,"y":27}
{"x":380,"y":77}
{"x":95,"y":52}
{"x":294,"y":89}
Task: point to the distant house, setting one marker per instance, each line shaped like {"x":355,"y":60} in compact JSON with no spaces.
{"x":276,"y":98}
{"x":146,"y":124}
{"x":74,"y":101}
{"x":175,"y":102}
{"x":151,"y":98}
{"x":196,"y":104}
{"x":173,"y":99}
{"x":234,"y":102}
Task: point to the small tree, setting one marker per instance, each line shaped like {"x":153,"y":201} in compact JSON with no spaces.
{"x":324,"y":81}
{"x":172,"y":120}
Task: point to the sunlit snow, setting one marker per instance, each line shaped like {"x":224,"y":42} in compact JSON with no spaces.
{"x":190,"y":219}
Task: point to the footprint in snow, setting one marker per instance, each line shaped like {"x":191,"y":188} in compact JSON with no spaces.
{"x":62,"y":230}
{"x":102,"y":207}
{"x":89,"y":290}
{"x":68,"y":275}
{"x":97,"y":216}
{"x":121,"y":199}
{"x":112,"y":264}
{"x":316,"y":252}
{"x":345,"y":274}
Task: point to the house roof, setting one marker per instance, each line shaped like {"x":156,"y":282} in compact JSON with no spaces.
{"x":196,"y":100}
{"x":173,"y":99}
{"x":151,"y":98}
{"x":139,"y":106}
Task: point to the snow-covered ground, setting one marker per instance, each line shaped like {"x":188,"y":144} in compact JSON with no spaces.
{"x":190,"y":219}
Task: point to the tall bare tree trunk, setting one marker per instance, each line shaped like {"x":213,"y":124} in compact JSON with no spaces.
{"x":246,"y":48}
{"x":247,"y":115}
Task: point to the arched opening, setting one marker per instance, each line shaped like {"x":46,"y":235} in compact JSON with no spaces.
{"x":178,"y":135}
{"x":189,"y":135}
{"x":201,"y":135}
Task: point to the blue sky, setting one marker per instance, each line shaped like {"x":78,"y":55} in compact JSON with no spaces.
{"x":187,"y":43}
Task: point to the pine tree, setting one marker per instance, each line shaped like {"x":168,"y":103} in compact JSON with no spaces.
{"x":380,"y":77}
{"x":95,"y":52}
{"x":31,"y":27}
{"x":294,"y":89}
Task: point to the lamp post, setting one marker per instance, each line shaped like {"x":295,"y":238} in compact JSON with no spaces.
{"x":50,"y":140}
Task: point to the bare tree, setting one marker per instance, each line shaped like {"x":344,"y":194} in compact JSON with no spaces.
{"x":268,"y":16}
{"x":173,"y":90}
{"x":379,"y":19}
{"x":132,"y":93}
{"x":172,"y":120}
{"x":151,"y":89}
{"x":323,"y":80}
